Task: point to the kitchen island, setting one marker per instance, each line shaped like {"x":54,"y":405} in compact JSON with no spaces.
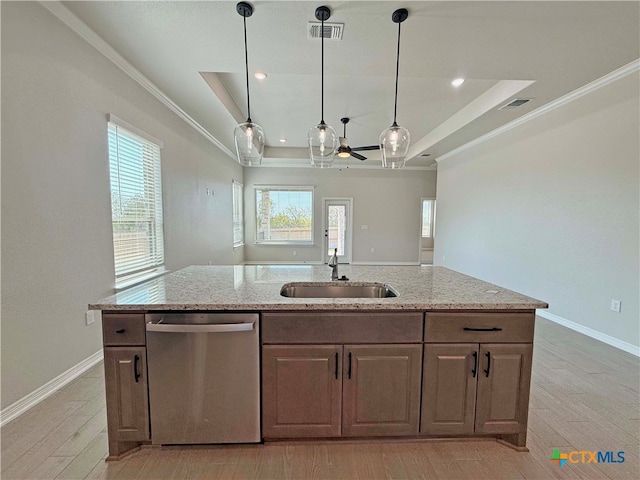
{"x":449,"y":356}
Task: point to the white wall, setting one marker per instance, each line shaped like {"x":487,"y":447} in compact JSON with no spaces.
{"x":551,"y":209}
{"x":388,"y":202}
{"x":57,"y":254}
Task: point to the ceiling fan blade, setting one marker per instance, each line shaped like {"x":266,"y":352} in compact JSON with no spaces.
{"x":370,"y":147}
{"x":357,"y":155}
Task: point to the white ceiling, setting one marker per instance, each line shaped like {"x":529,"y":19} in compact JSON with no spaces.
{"x":193,"y":51}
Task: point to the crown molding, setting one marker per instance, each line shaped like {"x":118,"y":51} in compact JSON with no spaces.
{"x":607,"y":79}
{"x":78,"y":26}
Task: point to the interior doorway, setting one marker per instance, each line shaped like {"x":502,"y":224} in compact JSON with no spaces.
{"x":427,"y":230}
{"x":338,"y":228}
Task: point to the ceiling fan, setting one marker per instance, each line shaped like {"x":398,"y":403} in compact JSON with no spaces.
{"x":345,"y":150}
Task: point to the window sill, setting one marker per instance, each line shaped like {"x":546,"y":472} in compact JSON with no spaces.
{"x":130,"y":282}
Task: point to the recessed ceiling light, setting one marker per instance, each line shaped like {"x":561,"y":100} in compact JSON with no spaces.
{"x":283,"y":140}
{"x":260,"y":75}
{"x":457,"y":82}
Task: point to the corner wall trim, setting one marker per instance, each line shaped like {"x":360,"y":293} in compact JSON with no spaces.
{"x":611,"y":77}
{"x":18,"y":408}
{"x":590,"y":332}
{"x":72,"y":21}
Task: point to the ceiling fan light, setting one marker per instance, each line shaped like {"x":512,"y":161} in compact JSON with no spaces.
{"x":323,"y":144}
{"x":249,"y":140}
{"x":394,"y":145}
{"x":343,"y":153}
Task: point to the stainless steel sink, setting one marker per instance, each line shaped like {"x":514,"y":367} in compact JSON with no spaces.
{"x":337,"y":290}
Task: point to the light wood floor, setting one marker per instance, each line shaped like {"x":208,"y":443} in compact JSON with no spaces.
{"x":584,"y":396}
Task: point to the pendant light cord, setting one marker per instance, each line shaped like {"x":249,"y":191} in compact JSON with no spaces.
{"x":322,"y":74}
{"x":246,"y":68}
{"x":395,"y":101}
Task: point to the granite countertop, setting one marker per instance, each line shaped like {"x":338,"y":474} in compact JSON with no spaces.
{"x":257,"y":287}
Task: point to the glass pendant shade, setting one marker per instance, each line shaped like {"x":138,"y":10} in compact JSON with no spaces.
{"x":323,"y":143}
{"x":394,"y":145}
{"x":249,"y":138}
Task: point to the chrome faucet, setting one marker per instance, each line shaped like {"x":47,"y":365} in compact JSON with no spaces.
{"x":333,"y":263}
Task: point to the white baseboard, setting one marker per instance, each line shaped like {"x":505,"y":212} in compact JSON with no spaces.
{"x":18,"y":408}
{"x":264,"y":262}
{"x":590,"y":332}
{"x":386,"y":263}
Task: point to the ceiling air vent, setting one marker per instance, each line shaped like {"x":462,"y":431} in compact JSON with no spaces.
{"x":332,"y":31}
{"x":514,"y":103}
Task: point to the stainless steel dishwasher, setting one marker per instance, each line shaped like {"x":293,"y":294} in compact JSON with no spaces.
{"x":204,"y":377}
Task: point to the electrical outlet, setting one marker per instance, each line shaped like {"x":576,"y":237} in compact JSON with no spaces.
{"x":90,"y":316}
{"x":373,"y":250}
{"x":615,"y":305}
{"x":295,"y":253}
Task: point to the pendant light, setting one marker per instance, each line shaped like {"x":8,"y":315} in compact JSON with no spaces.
{"x":322,"y":139}
{"x":394,"y":141}
{"x":249,"y":136}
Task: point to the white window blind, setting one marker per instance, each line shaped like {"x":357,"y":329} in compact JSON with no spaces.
{"x":284,"y":215}
{"x":136,"y":203}
{"x":238,"y":214}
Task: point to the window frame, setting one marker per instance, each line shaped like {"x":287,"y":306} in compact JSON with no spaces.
{"x":234,"y":186}
{"x":153,"y":264}
{"x":285,"y":188}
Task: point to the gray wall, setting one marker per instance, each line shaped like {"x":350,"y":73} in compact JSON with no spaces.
{"x":389,"y":202}
{"x":550,"y":209}
{"x":57,"y":254}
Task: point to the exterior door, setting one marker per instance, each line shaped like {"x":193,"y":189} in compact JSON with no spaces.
{"x":338,"y":226}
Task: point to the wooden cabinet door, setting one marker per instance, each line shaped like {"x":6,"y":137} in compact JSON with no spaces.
{"x":126,"y":390}
{"x":449,"y":388}
{"x":381,"y":390}
{"x":503,"y":388}
{"x":301,"y":391}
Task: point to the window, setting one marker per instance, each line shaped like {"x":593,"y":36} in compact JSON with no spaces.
{"x":238,"y":214}
{"x":428,"y":218}
{"x":136,"y":202}
{"x":284,"y":215}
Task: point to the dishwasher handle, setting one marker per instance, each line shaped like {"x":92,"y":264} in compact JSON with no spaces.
{"x":207,"y":328}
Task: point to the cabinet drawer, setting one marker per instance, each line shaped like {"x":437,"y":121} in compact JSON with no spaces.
{"x":479,"y":327}
{"x":329,"y":327}
{"x":123,"y":329}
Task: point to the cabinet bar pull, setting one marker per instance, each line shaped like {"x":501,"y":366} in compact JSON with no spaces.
{"x":120,"y":330}
{"x":492,"y":329}
{"x":486,"y":372}
{"x":349,"y":373}
{"x":336,"y":365}
{"x":136,"y":373}
{"x":475,"y":364}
